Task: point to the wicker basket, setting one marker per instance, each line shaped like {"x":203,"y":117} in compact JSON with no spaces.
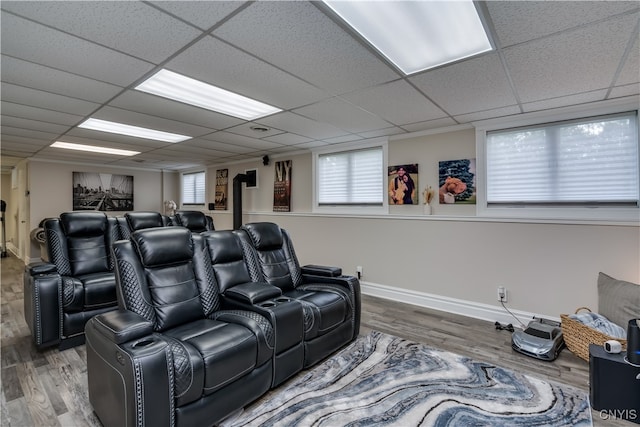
{"x":578,"y":336}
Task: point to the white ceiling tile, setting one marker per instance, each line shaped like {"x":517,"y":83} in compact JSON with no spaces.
{"x":288,"y":139}
{"x":343,"y":115}
{"x":141,"y":102}
{"x":211,"y":142}
{"x":244,"y":141}
{"x":298,"y":37}
{"x":547,"y":68}
{"x":47,"y":79}
{"x":50,"y":101}
{"x":20,"y":143}
{"x":468,"y":86}
{"x":482,"y":115}
{"x":342,"y":139}
{"x":156,"y":34}
{"x":519,"y":21}
{"x":39,"y":114}
{"x":397,"y":102}
{"x":311,"y":144}
{"x":26,"y":133}
{"x":203,"y":14}
{"x":564,"y":101}
{"x":431,"y":124}
{"x":382,"y":132}
{"x":219,"y":64}
{"x":152,"y":122}
{"x":300,"y":125}
{"x":36,"y":43}
{"x":245,"y":129}
{"x":630,"y":72}
{"x":621,"y":91}
{"x":18,"y":122}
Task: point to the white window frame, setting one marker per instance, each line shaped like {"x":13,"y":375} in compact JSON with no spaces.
{"x":182,"y":195}
{"x":567,"y":213}
{"x":351,"y":209}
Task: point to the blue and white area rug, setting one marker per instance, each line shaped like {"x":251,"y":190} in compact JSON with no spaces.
{"x":383,"y":380}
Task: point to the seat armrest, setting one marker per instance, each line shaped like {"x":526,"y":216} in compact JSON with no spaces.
{"x":322,"y":270}
{"x":37,"y":268}
{"x":122,"y":326}
{"x":253,"y":292}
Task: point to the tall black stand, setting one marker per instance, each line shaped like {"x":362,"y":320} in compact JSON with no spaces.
{"x":237,"y":199}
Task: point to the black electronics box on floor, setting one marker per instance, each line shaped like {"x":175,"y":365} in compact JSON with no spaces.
{"x":614,"y":385}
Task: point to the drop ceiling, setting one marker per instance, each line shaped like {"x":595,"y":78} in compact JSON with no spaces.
{"x":63,"y":62}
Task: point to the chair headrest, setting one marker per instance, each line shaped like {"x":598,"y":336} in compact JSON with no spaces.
{"x":163,"y":246}
{"x":265,"y":235}
{"x":224,"y":246}
{"x":141,"y":220}
{"x":193,"y":220}
{"x":84,"y":224}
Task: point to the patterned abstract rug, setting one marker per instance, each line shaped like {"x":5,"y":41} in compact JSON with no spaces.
{"x":383,"y":380}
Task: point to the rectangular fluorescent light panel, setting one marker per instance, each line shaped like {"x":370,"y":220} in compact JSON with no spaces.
{"x":138,"y":132}
{"x":417,"y":35}
{"x":93,"y":149}
{"x":181,"y":88}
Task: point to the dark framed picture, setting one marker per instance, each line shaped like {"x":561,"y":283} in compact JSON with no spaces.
{"x":102,"y":192}
{"x":222,"y":189}
{"x":457,"y":181}
{"x":403,"y":184}
{"x":282,"y":187}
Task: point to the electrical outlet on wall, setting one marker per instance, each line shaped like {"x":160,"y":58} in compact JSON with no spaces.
{"x":502,"y":294}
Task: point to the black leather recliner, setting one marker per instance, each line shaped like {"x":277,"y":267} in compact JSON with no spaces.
{"x":171,"y":356}
{"x":195,"y":221}
{"x":239,"y":292}
{"x":139,"y":220}
{"x":331,"y":301}
{"x":76,"y":283}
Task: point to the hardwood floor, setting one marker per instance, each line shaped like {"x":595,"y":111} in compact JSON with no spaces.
{"x":49,"y":388}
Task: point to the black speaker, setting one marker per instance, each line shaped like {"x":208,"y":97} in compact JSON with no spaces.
{"x":212,"y":206}
{"x":633,"y":341}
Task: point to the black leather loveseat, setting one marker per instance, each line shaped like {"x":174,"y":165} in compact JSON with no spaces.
{"x":197,"y":337}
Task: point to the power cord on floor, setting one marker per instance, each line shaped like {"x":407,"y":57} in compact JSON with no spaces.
{"x":508,"y":327}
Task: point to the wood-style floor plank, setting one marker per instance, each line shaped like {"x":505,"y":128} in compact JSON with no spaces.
{"x":49,"y":388}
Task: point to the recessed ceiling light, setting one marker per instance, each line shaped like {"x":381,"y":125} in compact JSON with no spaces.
{"x":93,"y":149}
{"x":417,"y":35}
{"x":181,"y":88}
{"x":260,"y":129}
{"x":138,"y":132}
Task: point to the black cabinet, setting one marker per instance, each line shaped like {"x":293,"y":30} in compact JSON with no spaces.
{"x":614,"y":385}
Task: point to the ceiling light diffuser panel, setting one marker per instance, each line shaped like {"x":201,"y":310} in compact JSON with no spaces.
{"x":129,"y":130}
{"x":93,"y":149}
{"x":417,"y":35}
{"x":184,"y":89}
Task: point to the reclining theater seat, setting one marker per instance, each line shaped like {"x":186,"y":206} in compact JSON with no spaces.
{"x":195,"y":221}
{"x":331,"y":301}
{"x":170,"y":356}
{"x":239,"y":292}
{"x":140,"y":220}
{"x":77,"y":283}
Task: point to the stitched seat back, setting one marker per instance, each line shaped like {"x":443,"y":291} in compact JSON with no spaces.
{"x":164,"y":276}
{"x":270,"y":256}
{"x":141,"y":220}
{"x":78,"y":243}
{"x":195,"y":221}
{"x":226,"y":256}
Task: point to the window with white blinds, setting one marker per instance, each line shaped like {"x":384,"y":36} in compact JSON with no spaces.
{"x":582,"y":162}
{"x":193,"y":187}
{"x":351,"y":178}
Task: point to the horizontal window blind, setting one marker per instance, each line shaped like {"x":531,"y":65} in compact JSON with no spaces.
{"x":581,"y":162}
{"x":351,"y":178}
{"x":193,"y":187}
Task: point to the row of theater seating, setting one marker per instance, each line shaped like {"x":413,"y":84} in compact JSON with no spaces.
{"x":76,"y":280}
{"x":183,"y":327}
{"x":210,"y":322}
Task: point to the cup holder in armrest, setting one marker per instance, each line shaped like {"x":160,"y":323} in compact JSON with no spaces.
{"x":282,"y":299}
{"x":144,"y":343}
{"x":268,"y":304}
